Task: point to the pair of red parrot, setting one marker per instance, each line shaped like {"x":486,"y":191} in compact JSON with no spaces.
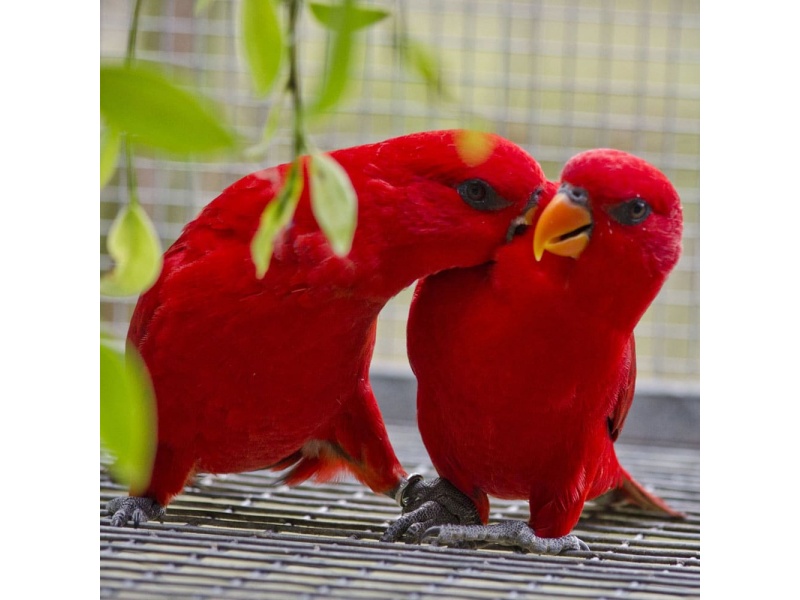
{"x":520,"y":337}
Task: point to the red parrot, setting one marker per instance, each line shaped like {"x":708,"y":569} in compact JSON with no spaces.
{"x":526,"y":366}
{"x":253,"y":373}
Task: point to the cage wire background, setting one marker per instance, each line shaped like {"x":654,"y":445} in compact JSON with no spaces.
{"x":555,"y":76}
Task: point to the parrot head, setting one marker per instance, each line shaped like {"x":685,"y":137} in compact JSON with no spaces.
{"x":615,"y":219}
{"x":428,"y":203}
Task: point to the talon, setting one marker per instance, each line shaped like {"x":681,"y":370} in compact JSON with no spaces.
{"x":431,"y":532}
{"x":138,"y":517}
{"x":119,"y":519}
{"x":566,"y":545}
{"x":427,"y":504}
{"x":415,"y":533}
{"x":515,"y":534}
{"x":582,"y":546}
{"x":135,"y":509}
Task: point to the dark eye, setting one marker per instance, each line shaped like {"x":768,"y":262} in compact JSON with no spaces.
{"x":631,"y":212}
{"x":481,"y":196}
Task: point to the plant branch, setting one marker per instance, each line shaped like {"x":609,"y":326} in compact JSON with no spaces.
{"x":132,"y":33}
{"x":130,"y":170}
{"x":293,"y":84}
{"x":133,"y":195}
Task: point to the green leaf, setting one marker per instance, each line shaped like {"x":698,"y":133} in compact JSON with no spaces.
{"x":333,"y":201}
{"x":340,"y":52}
{"x":262,"y":42}
{"x":127,"y":414}
{"x":360,"y":17}
{"x":110,"y":146}
{"x":139,"y":100}
{"x":421,"y":60}
{"x":474,"y":147}
{"x":275,"y":216}
{"x":134,"y":246}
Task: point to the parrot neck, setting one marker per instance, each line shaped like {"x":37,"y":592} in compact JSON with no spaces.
{"x":398,"y":240}
{"x":577,"y":292}
{"x":609,"y":298}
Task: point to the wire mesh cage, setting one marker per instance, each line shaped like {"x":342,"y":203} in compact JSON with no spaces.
{"x":555,"y":76}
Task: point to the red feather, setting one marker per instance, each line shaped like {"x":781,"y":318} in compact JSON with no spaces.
{"x":626,"y":391}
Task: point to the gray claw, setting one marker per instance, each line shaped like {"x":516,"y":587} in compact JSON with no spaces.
{"x":427,"y":504}
{"x":410,"y":526}
{"x":516,"y":534}
{"x":133,"y":508}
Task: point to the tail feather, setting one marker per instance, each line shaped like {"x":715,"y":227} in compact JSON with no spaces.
{"x":321,"y":461}
{"x":287,"y":462}
{"x":635,"y":493}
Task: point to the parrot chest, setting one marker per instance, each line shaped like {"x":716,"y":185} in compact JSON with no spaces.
{"x":537,"y":423}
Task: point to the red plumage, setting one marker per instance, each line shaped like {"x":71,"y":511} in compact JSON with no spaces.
{"x":526,"y":369}
{"x":253,"y":373}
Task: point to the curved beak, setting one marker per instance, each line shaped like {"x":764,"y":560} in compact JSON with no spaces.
{"x":564,"y":227}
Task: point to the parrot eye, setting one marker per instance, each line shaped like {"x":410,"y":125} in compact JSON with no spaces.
{"x":481,"y":196}
{"x":630,"y":212}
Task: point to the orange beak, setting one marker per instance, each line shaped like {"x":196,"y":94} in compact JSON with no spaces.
{"x":564,"y":228}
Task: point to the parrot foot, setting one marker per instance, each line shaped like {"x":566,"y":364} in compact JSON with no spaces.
{"x":507,"y":533}
{"x":133,"y":508}
{"x":427,"y":504}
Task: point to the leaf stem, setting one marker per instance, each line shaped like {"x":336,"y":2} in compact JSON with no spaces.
{"x":132,"y":32}
{"x":133,"y":195}
{"x":293,"y":84}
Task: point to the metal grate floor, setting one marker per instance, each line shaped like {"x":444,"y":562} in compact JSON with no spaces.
{"x":243,"y":536}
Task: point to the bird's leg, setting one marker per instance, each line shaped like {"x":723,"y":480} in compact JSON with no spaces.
{"x":172,"y":469}
{"x":427,"y":504}
{"x":506,"y":533}
{"x":133,"y":508}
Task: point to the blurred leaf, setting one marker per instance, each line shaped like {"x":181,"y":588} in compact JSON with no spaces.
{"x":340,"y":52}
{"x":127,"y":414}
{"x":139,"y":100}
{"x":134,"y":246}
{"x":110,"y":146}
{"x":360,"y":17}
{"x":260,"y":149}
{"x":333,"y":201}
{"x":262,"y":42}
{"x":421,"y":60}
{"x":275,"y":216}
{"x":474,"y":147}
{"x":201,"y":7}
{"x":273,"y":120}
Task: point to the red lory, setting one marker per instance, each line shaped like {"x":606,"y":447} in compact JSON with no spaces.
{"x":526,"y":366}
{"x":252,"y":373}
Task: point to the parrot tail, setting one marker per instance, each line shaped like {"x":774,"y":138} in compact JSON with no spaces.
{"x":634,"y":492}
{"x":323,"y":461}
